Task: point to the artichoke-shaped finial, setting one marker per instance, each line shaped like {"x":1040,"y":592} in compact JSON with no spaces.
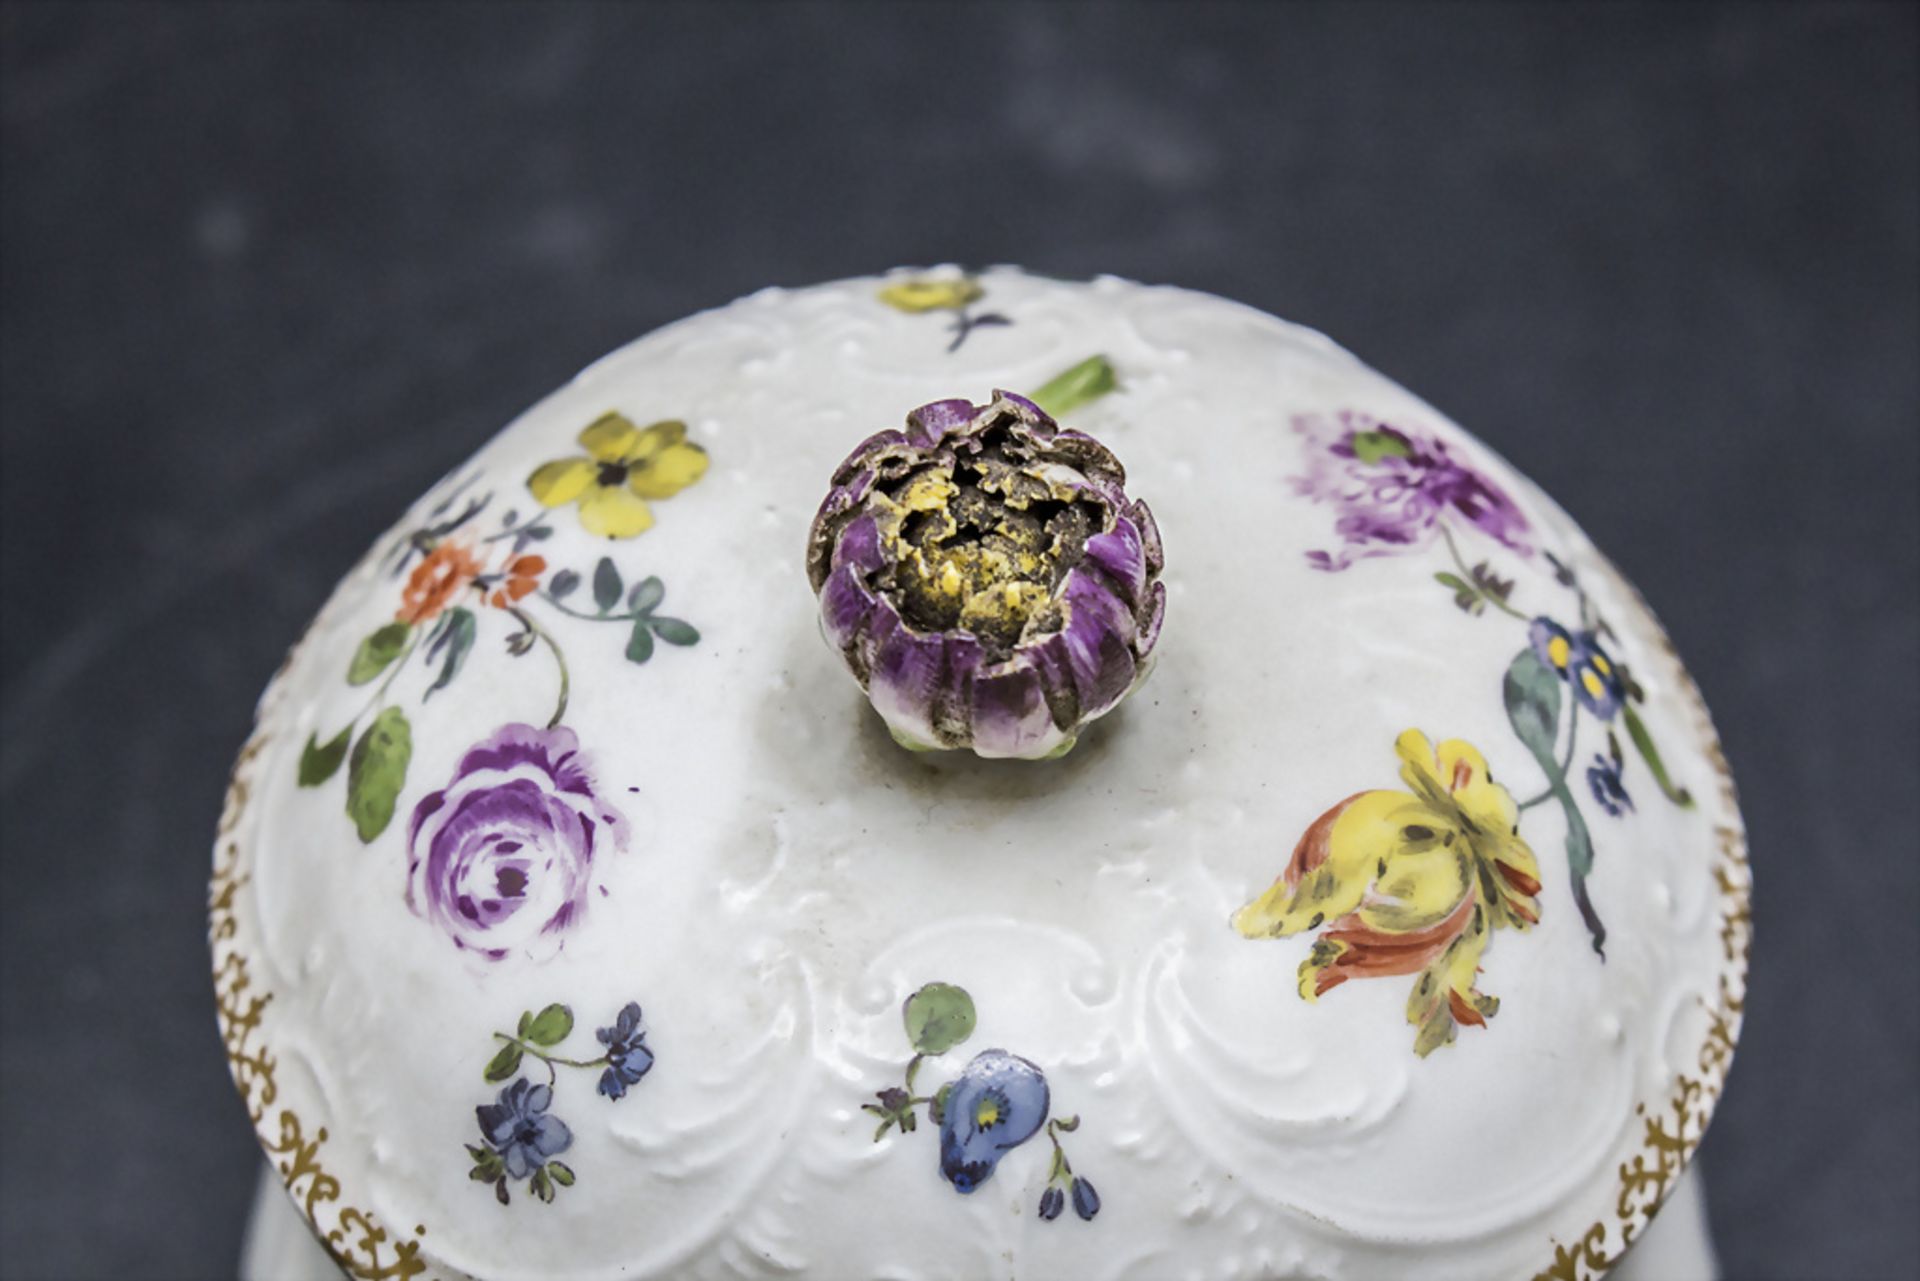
{"x":986,"y":578}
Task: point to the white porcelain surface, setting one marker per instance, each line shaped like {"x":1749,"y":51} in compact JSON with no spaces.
{"x":789,"y":876}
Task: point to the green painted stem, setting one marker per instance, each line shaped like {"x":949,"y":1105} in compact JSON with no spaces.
{"x":559,"y":658}
{"x":550,"y":1059}
{"x":1466,"y":576}
{"x":1643,"y":742}
{"x":386,"y":682}
{"x":595,"y":618}
{"x":1066,"y":391}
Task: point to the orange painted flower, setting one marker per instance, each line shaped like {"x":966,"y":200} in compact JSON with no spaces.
{"x":436,"y":580}
{"x":1409,"y":883}
{"x":519,"y":579}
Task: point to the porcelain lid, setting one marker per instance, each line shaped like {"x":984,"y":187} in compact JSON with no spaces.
{"x":574,"y":914}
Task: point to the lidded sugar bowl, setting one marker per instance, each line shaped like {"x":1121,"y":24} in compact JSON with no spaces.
{"x":965,"y":775}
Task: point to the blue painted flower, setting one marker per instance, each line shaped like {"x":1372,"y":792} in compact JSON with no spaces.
{"x":519,"y":1129}
{"x":1086,"y":1202}
{"x":998,"y":1102}
{"x":1582,"y":663}
{"x":628,"y":1058}
{"x":1052,"y":1201}
{"x":1603,"y":776}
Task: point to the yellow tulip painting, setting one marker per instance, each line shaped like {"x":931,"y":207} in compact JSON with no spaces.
{"x":1409,"y":882}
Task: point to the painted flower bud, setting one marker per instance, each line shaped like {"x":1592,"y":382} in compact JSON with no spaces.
{"x":987,"y":579}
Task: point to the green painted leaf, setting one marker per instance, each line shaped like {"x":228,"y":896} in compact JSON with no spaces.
{"x":1643,"y":743}
{"x":377,"y":651}
{"x":646,"y":594}
{"x":1372,"y":446}
{"x":550,"y":1026}
{"x":504,"y":1064}
{"x":541,"y":1185}
{"x":640,"y":643}
{"x":1454,"y":581}
{"x":675,"y":632}
{"x":526,"y":1021}
{"x":606,"y":585}
{"x":562,"y":1174}
{"x":377,"y":771}
{"x":319,"y":761}
{"x":562,"y":583}
{"x":937,"y":1105}
{"x":457,"y":641}
{"x":1532,"y":693}
{"x":939,"y":1016}
{"x":1066,"y":391}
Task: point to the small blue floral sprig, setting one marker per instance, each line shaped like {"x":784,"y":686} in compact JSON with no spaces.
{"x":521,"y":1137}
{"x":996,"y":1103}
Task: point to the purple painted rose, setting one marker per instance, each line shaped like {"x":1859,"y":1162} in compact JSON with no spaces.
{"x":1391,"y":489}
{"x":986,"y":578}
{"x":502,"y":857}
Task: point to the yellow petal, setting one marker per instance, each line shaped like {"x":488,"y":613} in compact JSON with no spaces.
{"x":1325,"y":952}
{"x":611,"y":438}
{"x":1365,"y":831}
{"x":668,"y":472}
{"x":612,"y":511}
{"x":1417,"y":766}
{"x":1514,"y":875}
{"x":1431,"y":1007}
{"x":1420,"y":888}
{"x":561,"y":481}
{"x":931,"y":295}
{"x":656,"y":439}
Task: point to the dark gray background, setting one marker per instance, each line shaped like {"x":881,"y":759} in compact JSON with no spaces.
{"x":269,"y":271}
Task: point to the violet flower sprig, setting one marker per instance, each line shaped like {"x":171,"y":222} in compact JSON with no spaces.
{"x":987,"y":579}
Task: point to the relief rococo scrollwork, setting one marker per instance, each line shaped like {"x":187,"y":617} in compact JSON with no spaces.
{"x":356,"y":1241}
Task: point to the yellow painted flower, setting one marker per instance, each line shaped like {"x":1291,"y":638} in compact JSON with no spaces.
{"x":624,"y":467}
{"x":921,"y":293}
{"x":1408,"y":883}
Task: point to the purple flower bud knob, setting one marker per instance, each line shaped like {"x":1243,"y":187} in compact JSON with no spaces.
{"x":987,"y":579}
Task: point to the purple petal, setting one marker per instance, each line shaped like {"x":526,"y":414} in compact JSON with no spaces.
{"x":859,"y":546}
{"x":927,"y":424}
{"x":1120,"y":554}
{"x":553,"y":751}
{"x":1150,"y":622}
{"x":1029,"y":409}
{"x":1010,"y":715}
{"x":1149,"y":537}
{"x":1099,"y":635}
{"x":904,"y":679}
{"x":846,"y":606}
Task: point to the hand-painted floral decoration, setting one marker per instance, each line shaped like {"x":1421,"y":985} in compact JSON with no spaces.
{"x":1409,"y":882}
{"x":918,"y":295}
{"x":996,"y":1103}
{"x":521,"y":1137}
{"x":1603,"y":780}
{"x":628,"y":1058}
{"x":625,"y":466}
{"x":1393,"y":488}
{"x":1398,"y":489}
{"x":501,"y":859}
{"x":987,"y":579}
